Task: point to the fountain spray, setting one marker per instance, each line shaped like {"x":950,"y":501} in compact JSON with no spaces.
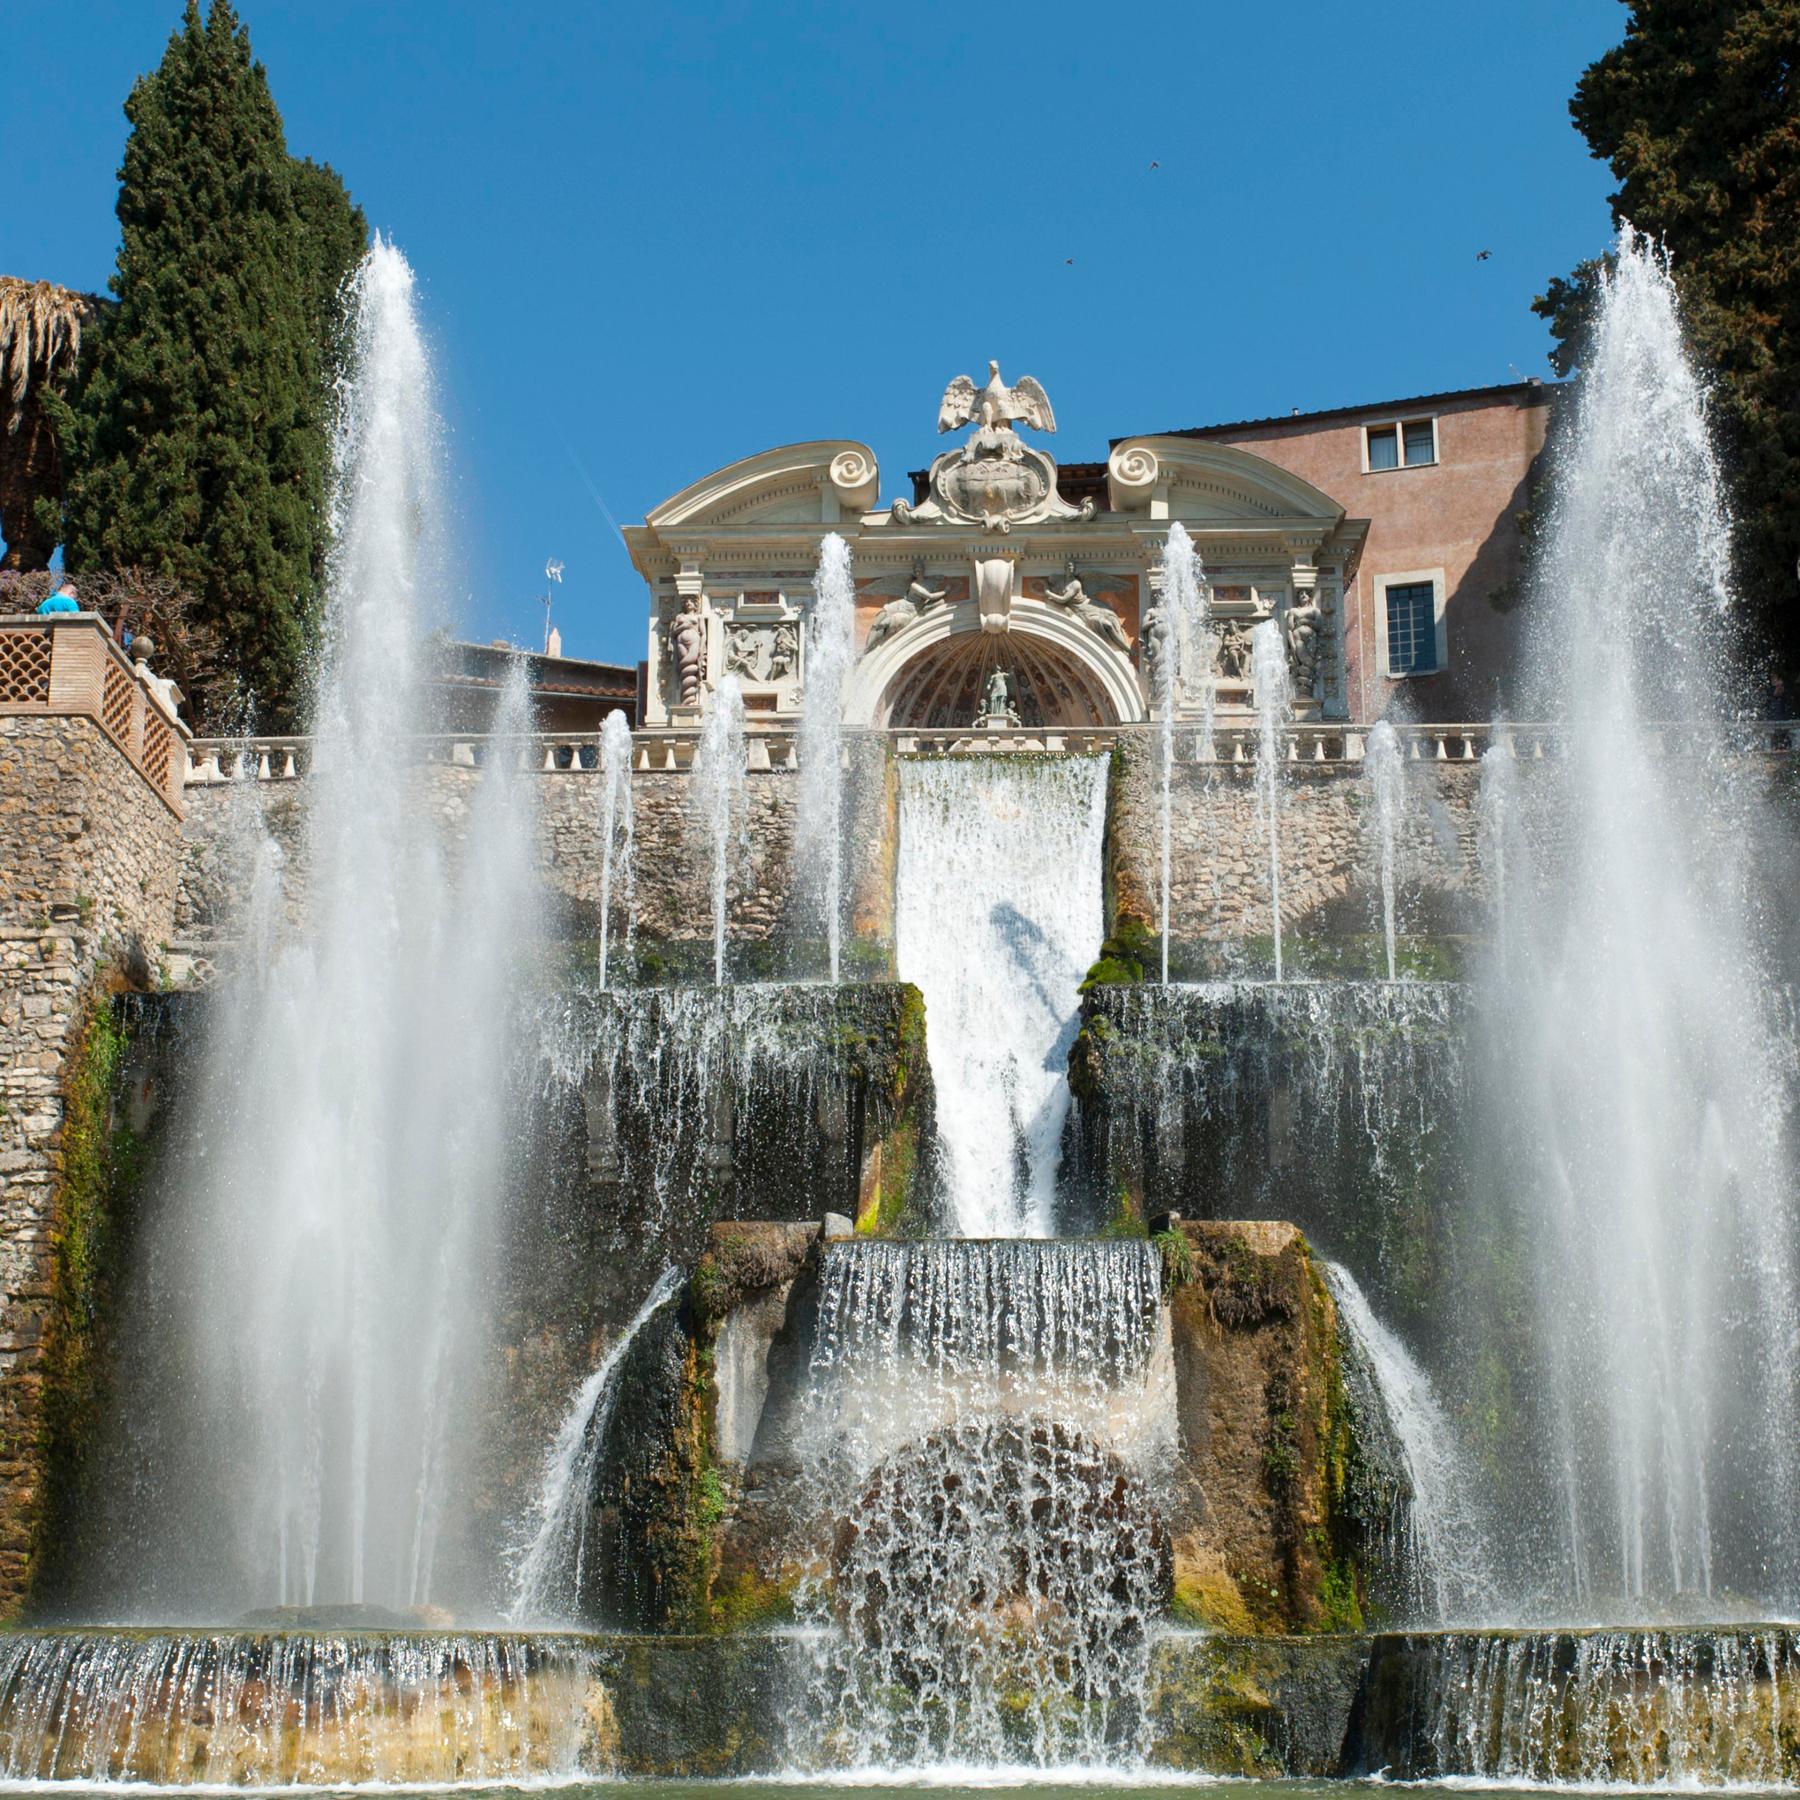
{"x":1386,"y":774}
{"x":1185,"y":643}
{"x":1269,"y":670}
{"x":830,"y":651}
{"x":719,"y":798}
{"x":617,"y":867}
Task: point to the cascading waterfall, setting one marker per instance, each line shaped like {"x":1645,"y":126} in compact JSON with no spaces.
{"x":1440,"y":1545}
{"x":617,"y":870}
{"x":819,"y":826}
{"x":989,"y":1420}
{"x":297,"y":1709}
{"x":1342,"y":1106}
{"x":1269,"y":671}
{"x":1386,"y":773}
{"x":547,"y":1583}
{"x":1624,"y":1708}
{"x":1641,"y":1081}
{"x":719,"y":797}
{"x":676,"y":1082}
{"x":999,"y":914}
{"x":314,"y":1295}
{"x":1186,"y":645}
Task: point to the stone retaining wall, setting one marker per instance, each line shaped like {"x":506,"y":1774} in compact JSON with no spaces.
{"x":88,"y":860}
{"x":672,"y":859}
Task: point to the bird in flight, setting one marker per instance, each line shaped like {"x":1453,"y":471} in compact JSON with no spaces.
{"x":1483,"y":255}
{"x":1156,"y":165}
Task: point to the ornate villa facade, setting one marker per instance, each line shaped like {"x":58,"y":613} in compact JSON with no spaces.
{"x":1379,"y":539}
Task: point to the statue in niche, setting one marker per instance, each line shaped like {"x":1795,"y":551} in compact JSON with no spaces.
{"x":784,"y":653}
{"x":687,"y":646}
{"x":996,"y":704}
{"x":1235,"y":652}
{"x":898,"y":614}
{"x":1301,"y":628}
{"x":1095,"y":614}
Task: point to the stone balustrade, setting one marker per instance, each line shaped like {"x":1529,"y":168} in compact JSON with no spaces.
{"x":67,"y":665}
{"x":215,"y":760}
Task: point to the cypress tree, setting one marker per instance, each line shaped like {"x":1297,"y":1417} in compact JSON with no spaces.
{"x":199,"y":435}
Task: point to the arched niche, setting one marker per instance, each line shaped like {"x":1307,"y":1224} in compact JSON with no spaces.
{"x":932,"y":675}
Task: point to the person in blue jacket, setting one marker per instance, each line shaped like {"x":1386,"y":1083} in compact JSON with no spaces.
{"x":61,"y":599}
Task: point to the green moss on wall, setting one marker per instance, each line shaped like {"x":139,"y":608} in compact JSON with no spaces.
{"x":102,"y":1170}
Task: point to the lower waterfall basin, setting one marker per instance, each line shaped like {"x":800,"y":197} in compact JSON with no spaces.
{"x":940,"y":1784}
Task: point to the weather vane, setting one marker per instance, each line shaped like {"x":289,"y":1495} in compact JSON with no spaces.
{"x":553,"y":580}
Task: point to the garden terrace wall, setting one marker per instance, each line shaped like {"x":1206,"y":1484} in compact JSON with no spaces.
{"x":89,"y":852}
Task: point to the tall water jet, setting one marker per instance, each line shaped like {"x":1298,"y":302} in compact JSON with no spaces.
{"x":1183,"y":646}
{"x":617,"y":831}
{"x":1386,"y":774}
{"x":315,"y":1286}
{"x":819,"y":828}
{"x":1642,"y":1083}
{"x":999,"y":912}
{"x":720,"y":801}
{"x":1496,"y":807}
{"x":1269,"y":671}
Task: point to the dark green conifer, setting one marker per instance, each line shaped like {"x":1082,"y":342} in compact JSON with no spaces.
{"x":199,"y":437}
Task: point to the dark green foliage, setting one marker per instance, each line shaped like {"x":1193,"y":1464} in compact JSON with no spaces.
{"x":199,"y":434}
{"x":1698,"y":112}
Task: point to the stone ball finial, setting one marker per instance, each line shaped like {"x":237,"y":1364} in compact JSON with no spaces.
{"x":143,"y":647}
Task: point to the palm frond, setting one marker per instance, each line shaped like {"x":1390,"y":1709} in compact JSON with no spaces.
{"x":40,"y":338}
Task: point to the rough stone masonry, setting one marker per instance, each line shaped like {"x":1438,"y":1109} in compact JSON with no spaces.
{"x":88,"y":859}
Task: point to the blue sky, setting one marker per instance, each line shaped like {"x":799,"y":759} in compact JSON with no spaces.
{"x":652,"y":239}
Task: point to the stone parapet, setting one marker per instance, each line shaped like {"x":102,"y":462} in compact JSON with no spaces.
{"x":68,"y":666}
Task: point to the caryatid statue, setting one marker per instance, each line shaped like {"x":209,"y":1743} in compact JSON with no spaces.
{"x":687,"y":647}
{"x":1155,"y":640}
{"x":1301,"y":629}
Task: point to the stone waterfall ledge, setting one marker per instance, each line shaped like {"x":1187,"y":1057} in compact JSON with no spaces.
{"x":1699,"y":1707}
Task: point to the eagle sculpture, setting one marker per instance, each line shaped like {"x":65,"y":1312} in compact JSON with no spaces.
{"x":995,"y":406}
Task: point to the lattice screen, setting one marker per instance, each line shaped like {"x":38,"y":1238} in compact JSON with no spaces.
{"x":159,"y":744}
{"x":25,"y":667}
{"x":116,"y":693}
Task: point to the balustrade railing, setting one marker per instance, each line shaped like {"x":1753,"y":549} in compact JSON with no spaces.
{"x":1236,"y":744}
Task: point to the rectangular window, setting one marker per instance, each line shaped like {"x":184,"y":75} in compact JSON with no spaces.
{"x":1405,"y":444}
{"x":1411,"y":627}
